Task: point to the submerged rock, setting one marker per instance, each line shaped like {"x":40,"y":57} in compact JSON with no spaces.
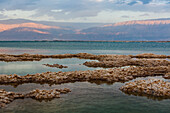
{"x":56,"y":65}
{"x":47,"y":94}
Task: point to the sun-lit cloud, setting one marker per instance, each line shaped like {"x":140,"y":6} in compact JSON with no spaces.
{"x":84,"y":10}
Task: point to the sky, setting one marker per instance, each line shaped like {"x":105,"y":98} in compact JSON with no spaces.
{"x":99,"y":11}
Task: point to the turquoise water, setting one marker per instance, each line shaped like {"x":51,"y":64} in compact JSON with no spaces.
{"x":23,"y":68}
{"x":90,"y":47}
{"x":85,"y":97}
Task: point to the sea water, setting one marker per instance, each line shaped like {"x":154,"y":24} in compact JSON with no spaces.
{"x":85,"y":97}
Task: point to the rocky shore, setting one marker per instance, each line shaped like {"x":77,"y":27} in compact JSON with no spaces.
{"x":8,"y":97}
{"x":154,"y":87}
{"x":142,"y":65}
{"x":56,"y":65}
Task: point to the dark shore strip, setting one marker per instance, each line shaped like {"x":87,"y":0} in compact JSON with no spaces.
{"x":80,"y":41}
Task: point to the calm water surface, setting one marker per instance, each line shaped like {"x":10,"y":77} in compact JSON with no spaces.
{"x":85,"y":97}
{"x":89,"y":47}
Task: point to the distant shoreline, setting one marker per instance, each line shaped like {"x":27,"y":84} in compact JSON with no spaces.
{"x":76,"y":41}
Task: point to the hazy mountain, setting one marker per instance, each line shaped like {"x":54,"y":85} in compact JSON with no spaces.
{"x":31,"y":31}
{"x":20,"y":29}
{"x":133,"y":30}
{"x":49,"y":23}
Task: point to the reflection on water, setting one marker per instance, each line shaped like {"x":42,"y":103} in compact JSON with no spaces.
{"x":23,"y":68}
{"x":21,"y":51}
{"x":86,"y":97}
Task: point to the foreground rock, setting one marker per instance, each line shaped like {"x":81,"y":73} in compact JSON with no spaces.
{"x":107,"y":75}
{"x":56,"y":65}
{"x":153,"y":87}
{"x":8,"y":97}
{"x":47,"y":94}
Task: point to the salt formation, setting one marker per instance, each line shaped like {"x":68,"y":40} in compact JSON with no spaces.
{"x":108,"y":75}
{"x":8,"y":97}
{"x":47,"y":94}
{"x":154,"y":87}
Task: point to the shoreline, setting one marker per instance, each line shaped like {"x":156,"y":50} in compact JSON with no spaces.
{"x":77,"y":41}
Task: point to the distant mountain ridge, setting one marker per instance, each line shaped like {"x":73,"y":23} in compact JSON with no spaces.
{"x":31,"y":31}
{"x":139,"y":30}
{"x":141,"y":22}
{"x":50,"y":23}
{"x":4,"y":27}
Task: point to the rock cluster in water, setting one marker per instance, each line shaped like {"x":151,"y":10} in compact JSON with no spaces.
{"x":56,"y":65}
{"x":154,"y":87}
{"x":47,"y":94}
{"x":8,"y":97}
{"x":108,"y":75}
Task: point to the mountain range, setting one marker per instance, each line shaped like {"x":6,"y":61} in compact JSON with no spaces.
{"x":139,"y":30}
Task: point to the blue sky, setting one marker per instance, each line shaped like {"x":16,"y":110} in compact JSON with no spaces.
{"x":105,"y":11}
